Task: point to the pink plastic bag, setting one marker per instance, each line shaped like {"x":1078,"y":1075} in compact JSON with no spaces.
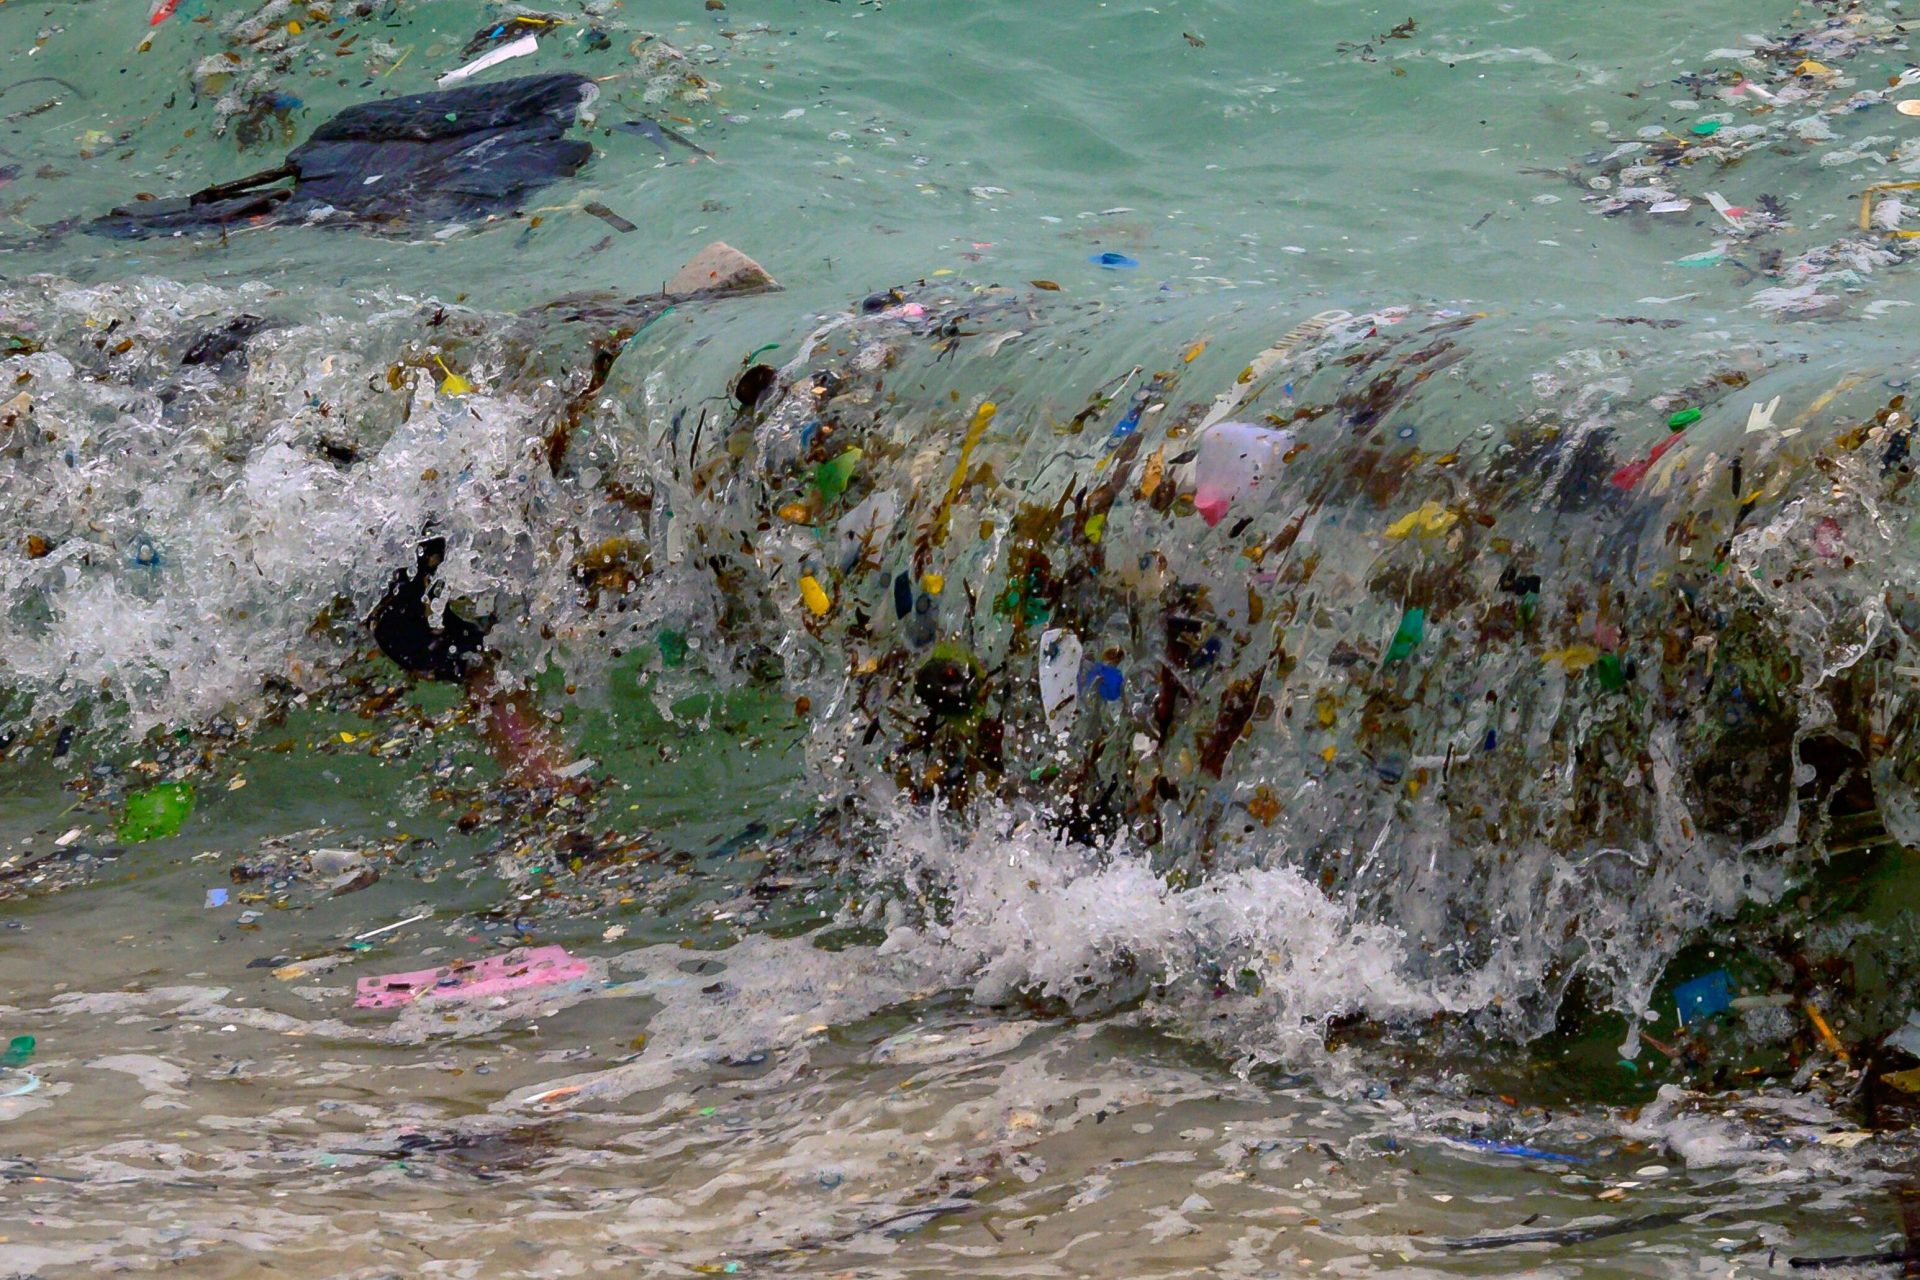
{"x":472,"y":979}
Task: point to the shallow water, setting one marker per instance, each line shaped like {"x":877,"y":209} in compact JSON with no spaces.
{"x":1356,"y":984}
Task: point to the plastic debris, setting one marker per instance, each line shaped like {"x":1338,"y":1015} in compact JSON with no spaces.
{"x":1059,"y":676}
{"x":660,"y":135}
{"x":1571,"y":1235}
{"x":1106,"y":680}
{"x":1700,"y":998}
{"x":832,"y":477}
{"x":1825,"y":1032}
{"x":815,"y":597}
{"x":1517,"y":1150}
{"x":1408,"y":636}
{"x":1430,"y":520}
{"x":1114,"y":261}
{"x":472,"y":979}
{"x":1235,"y":460}
{"x":609,"y":217}
{"x":1760,"y":417}
{"x":19,"y":1051}
{"x":216,"y":898}
{"x":524,"y":46}
{"x":461,"y":153}
{"x":453,"y":384}
{"x":157,"y":812}
{"x":161,"y":11}
{"x":1683,"y":418}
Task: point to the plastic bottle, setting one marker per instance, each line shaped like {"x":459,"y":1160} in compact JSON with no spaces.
{"x":1236,"y":460}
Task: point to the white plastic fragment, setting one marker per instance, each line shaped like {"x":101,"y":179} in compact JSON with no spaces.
{"x":1236,"y":459}
{"x":1760,"y":417}
{"x":1059,"y":676}
{"x":505,"y":53}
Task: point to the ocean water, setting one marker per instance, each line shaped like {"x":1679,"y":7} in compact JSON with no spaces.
{"x":1288,"y":647}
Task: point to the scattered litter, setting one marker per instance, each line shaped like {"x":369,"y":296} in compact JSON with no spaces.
{"x":1700,"y":998}
{"x":1825,"y":1032}
{"x":157,"y":812}
{"x":1517,"y":1150}
{"x":525,"y":45}
{"x":609,"y":217}
{"x":1570,"y":1235}
{"x":472,"y":980}
{"x":660,"y":135}
{"x":1114,"y":261}
{"x":1846,"y":1140}
{"x":389,"y":928}
{"x":216,"y":898}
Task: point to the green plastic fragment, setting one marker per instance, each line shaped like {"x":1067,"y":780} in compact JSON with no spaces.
{"x":673,"y":647}
{"x":831,"y":478}
{"x":157,"y":812}
{"x":1610,"y":673}
{"x":1684,"y":418}
{"x":1706,"y":128}
{"x":1529,"y":606}
{"x":19,"y":1050}
{"x":1412,"y":630}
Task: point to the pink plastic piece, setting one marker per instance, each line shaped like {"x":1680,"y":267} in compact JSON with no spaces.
{"x":1236,"y":460}
{"x":473,"y":979}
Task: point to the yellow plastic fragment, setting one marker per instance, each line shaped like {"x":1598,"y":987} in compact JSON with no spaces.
{"x":1327,"y":754}
{"x":453,"y":384}
{"x":1150,"y":474}
{"x":975,"y":429}
{"x":1193,"y":352}
{"x":933,"y":582}
{"x":795,"y":513}
{"x":1430,"y":521}
{"x":814,"y":596}
{"x":1096,"y":526}
{"x":1827,"y":1037}
{"x":1905,"y":1081}
{"x":1812,"y":68}
{"x":293,"y":28}
{"x":1575,"y":657}
{"x":346,"y":737}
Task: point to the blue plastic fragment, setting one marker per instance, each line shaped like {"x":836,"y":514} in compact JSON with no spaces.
{"x":1105,"y":680}
{"x":216,"y":897}
{"x":1700,"y":998}
{"x":1491,"y":1147}
{"x":1113,"y":261}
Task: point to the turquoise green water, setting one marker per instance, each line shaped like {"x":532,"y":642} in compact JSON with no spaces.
{"x":1325,"y":941}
